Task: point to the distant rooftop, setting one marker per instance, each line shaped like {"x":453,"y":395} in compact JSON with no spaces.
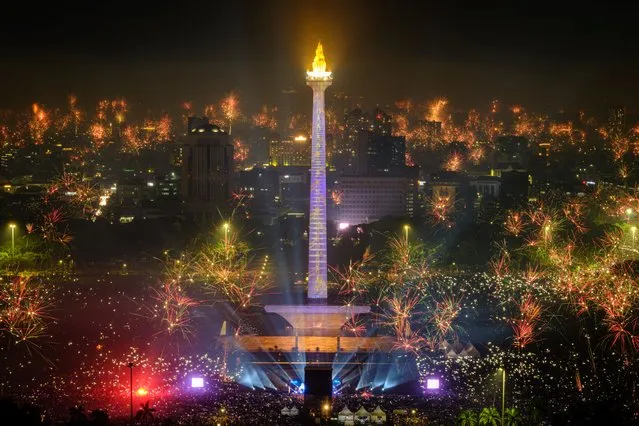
{"x":206,"y":128}
{"x":198,"y":125}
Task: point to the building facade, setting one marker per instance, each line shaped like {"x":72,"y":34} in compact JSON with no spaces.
{"x":292,"y":151}
{"x":379,"y":153}
{"x":207,"y":169}
{"x":366,"y":199}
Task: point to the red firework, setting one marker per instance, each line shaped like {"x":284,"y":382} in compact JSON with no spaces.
{"x":526,"y":326}
{"x":24,"y":307}
{"x":176,"y":306}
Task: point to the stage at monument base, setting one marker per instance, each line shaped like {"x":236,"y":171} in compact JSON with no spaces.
{"x":311,"y":344}
{"x":357,"y":363}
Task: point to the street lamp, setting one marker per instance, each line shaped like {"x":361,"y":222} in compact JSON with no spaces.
{"x":326,"y":409}
{"x":406,"y":229}
{"x":546,"y":232}
{"x":503,"y":393}
{"x":131,"y":365}
{"x":226,"y":232}
{"x":628,"y":213}
{"x":12,"y":226}
{"x":223,"y":411}
{"x":633,"y":230}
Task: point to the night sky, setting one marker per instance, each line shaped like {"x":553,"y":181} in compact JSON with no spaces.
{"x":538,"y":54}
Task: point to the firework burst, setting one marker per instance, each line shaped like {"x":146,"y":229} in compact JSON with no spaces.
{"x":230,"y":107}
{"x":24,"y":309}
{"x":526,"y":326}
{"x":176,"y":307}
{"x":39,"y":123}
{"x":444,"y":315}
{"x":514,"y":223}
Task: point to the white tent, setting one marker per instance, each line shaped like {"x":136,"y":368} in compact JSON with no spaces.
{"x":471,"y":350}
{"x":346,"y":416}
{"x":362,"y":415}
{"x":294,"y":411}
{"x":285,"y":411}
{"x":458,"y":350}
{"x":378,"y":416}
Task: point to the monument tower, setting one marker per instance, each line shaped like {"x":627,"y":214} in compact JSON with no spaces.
{"x":314,"y":335}
{"x":318,"y":79}
{"x":317,"y":317}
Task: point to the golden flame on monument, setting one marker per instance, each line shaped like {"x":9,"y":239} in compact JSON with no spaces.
{"x":319,"y":65}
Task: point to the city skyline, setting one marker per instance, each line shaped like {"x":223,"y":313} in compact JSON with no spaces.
{"x":468,"y":53}
{"x":440,"y":228}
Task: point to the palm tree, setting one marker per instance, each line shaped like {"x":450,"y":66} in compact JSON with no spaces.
{"x":512,"y":417}
{"x":145,"y":414}
{"x":467,"y":418}
{"x":489,"y":417}
{"x":77,"y":416}
{"x":99,"y":418}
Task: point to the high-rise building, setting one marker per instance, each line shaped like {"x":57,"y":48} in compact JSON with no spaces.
{"x":168,"y":186}
{"x":616,"y":121}
{"x":367,"y":199}
{"x":450,"y":190}
{"x":291,"y":151}
{"x":366,"y":139}
{"x":294,"y":190}
{"x":514,"y":189}
{"x":343,"y":152}
{"x":512,"y":149}
{"x":382,"y":123}
{"x":260,"y":186}
{"x":207,"y":169}
{"x":378,"y":183}
{"x":356,"y":123}
{"x":7,"y":161}
{"x":379,"y":153}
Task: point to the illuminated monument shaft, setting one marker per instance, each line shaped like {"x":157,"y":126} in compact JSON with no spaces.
{"x":317,"y":319}
{"x":318,"y":79}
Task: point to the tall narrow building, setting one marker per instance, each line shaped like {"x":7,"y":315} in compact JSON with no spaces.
{"x":207,"y":169}
{"x":318,"y":79}
{"x":616,"y":121}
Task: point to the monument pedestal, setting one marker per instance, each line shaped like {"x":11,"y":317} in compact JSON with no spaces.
{"x":317,"y":320}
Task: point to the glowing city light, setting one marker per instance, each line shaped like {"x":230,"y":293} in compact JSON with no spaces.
{"x":343,"y":225}
{"x":432,"y":383}
{"x":197,"y":382}
{"x":142,"y":392}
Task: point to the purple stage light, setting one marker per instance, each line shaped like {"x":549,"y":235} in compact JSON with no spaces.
{"x":197,"y":382}
{"x":432,"y":383}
